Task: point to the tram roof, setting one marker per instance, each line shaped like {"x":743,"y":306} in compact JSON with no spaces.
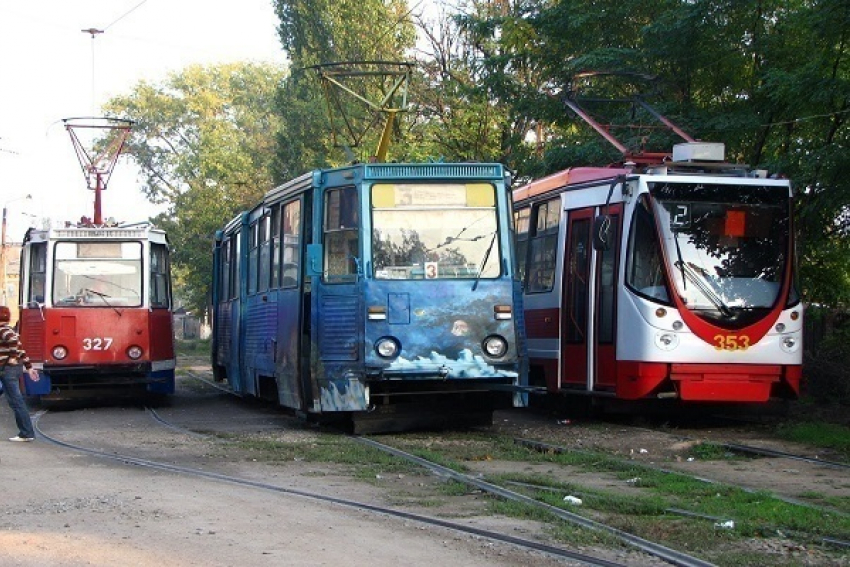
{"x":562,"y":179}
{"x":140,"y":231}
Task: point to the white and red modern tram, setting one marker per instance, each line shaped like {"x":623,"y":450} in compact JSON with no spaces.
{"x":672,"y":281}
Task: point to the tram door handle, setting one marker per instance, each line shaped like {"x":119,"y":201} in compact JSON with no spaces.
{"x":314,"y":260}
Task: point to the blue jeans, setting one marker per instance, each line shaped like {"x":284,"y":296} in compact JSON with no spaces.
{"x":12,"y":388}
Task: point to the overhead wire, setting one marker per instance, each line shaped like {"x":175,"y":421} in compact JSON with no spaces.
{"x":127,"y":13}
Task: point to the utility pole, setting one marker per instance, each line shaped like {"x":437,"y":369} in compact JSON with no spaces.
{"x":3,"y":255}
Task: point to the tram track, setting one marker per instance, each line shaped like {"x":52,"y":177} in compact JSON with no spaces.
{"x":672,"y":556}
{"x":829,"y":541}
{"x":543,"y":447}
{"x":763,"y":452}
{"x":505,"y":494}
{"x":131,"y":460}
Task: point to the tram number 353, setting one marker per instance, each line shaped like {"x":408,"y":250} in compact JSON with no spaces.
{"x":97,"y":343}
{"x":731,"y":342}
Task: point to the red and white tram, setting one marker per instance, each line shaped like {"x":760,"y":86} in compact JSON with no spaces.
{"x":675,"y":281}
{"x":96,"y":313}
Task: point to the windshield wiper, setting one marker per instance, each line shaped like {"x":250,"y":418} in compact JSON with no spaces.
{"x":484,"y":262}
{"x":699,"y":279}
{"x":103,"y":297}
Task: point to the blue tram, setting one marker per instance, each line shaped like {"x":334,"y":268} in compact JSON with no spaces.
{"x":386,"y":293}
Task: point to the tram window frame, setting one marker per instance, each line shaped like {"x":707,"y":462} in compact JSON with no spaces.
{"x":159,"y":294}
{"x":253,"y":253}
{"x":341,"y":234}
{"x":578,"y":253}
{"x":224,"y":270}
{"x":608,"y":266}
{"x":291,"y":248}
{"x":522,"y":220}
{"x":264,"y":255}
{"x":644,"y":257}
{"x":543,"y":245}
{"x":233,"y":273}
{"x":38,"y":273}
{"x":276,"y":230}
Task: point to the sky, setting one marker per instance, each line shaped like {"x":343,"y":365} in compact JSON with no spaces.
{"x":50,"y":70}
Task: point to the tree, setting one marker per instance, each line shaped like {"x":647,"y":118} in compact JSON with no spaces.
{"x":204,"y":142}
{"x":768,"y":78}
{"x":330,"y":31}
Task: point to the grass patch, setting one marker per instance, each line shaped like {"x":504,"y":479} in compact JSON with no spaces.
{"x":453,"y":488}
{"x":366,"y":463}
{"x":192,"y":347}
{"x":710,"y":452}
{"x":827,"y":435}
{"x":840,"y":503}
{"x":755,"y":514}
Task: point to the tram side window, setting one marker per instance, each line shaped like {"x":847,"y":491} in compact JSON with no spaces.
{"x":291,"y":243}
{"x":264,"y":269}
{"x":233,"y":273}
{"x":38,"y":267}
{"x":224,"y":271}
{"x":644,"y":265}
{"x":275,"y":248}
{"x":521,"y":218}
{"x":253,"y":252}
{"x":159,"y":294}
{"x":607,"y":287}
{"x":544,"y":247}
{"x":341,"y":235}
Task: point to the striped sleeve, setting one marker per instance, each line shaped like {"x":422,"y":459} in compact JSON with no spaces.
{"x":10,"y":346}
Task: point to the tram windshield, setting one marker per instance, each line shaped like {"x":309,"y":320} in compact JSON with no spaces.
{"x":97,"y":274}
{"x":727,"y":246}
{"x":435,"y":231}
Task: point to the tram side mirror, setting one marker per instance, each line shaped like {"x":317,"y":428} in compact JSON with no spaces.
{"x":314,"y":260}
{"x":602,"y":232}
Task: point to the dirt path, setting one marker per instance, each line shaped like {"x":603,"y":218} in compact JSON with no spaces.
{"x":60,"y":507}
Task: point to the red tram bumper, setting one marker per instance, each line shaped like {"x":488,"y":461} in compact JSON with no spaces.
{"x":708,"y":382}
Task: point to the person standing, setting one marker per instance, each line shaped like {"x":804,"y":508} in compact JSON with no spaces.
{"x":12,"y":360}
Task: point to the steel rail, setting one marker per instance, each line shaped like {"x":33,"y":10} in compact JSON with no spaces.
{"x":211,"y":384}
{"x":782,"y":455}
{"x":167,"y":467}
{"x":174,"y":427}
{"x":652,"y":548}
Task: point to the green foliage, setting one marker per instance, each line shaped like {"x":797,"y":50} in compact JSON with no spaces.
{"x":204,"y":142}
{"x":827,"y":355}
{"x":317,"y":32}
{"x":768,"y":78}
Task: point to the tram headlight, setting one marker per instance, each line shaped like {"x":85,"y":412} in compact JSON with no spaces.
{"x":666,"y":341}
{"x":387,"y":347}
{"x":59,"y":352}
{"x":495,"y":346}
{"x":780,"y":327}
{"x":790,"y":343}
{"x":135,"y":352}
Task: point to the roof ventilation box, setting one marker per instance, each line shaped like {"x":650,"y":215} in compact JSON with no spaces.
{"x":699,"y":151}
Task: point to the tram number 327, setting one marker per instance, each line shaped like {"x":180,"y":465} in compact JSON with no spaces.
{"x":97,"y":343}
{"x":731,"y":342}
